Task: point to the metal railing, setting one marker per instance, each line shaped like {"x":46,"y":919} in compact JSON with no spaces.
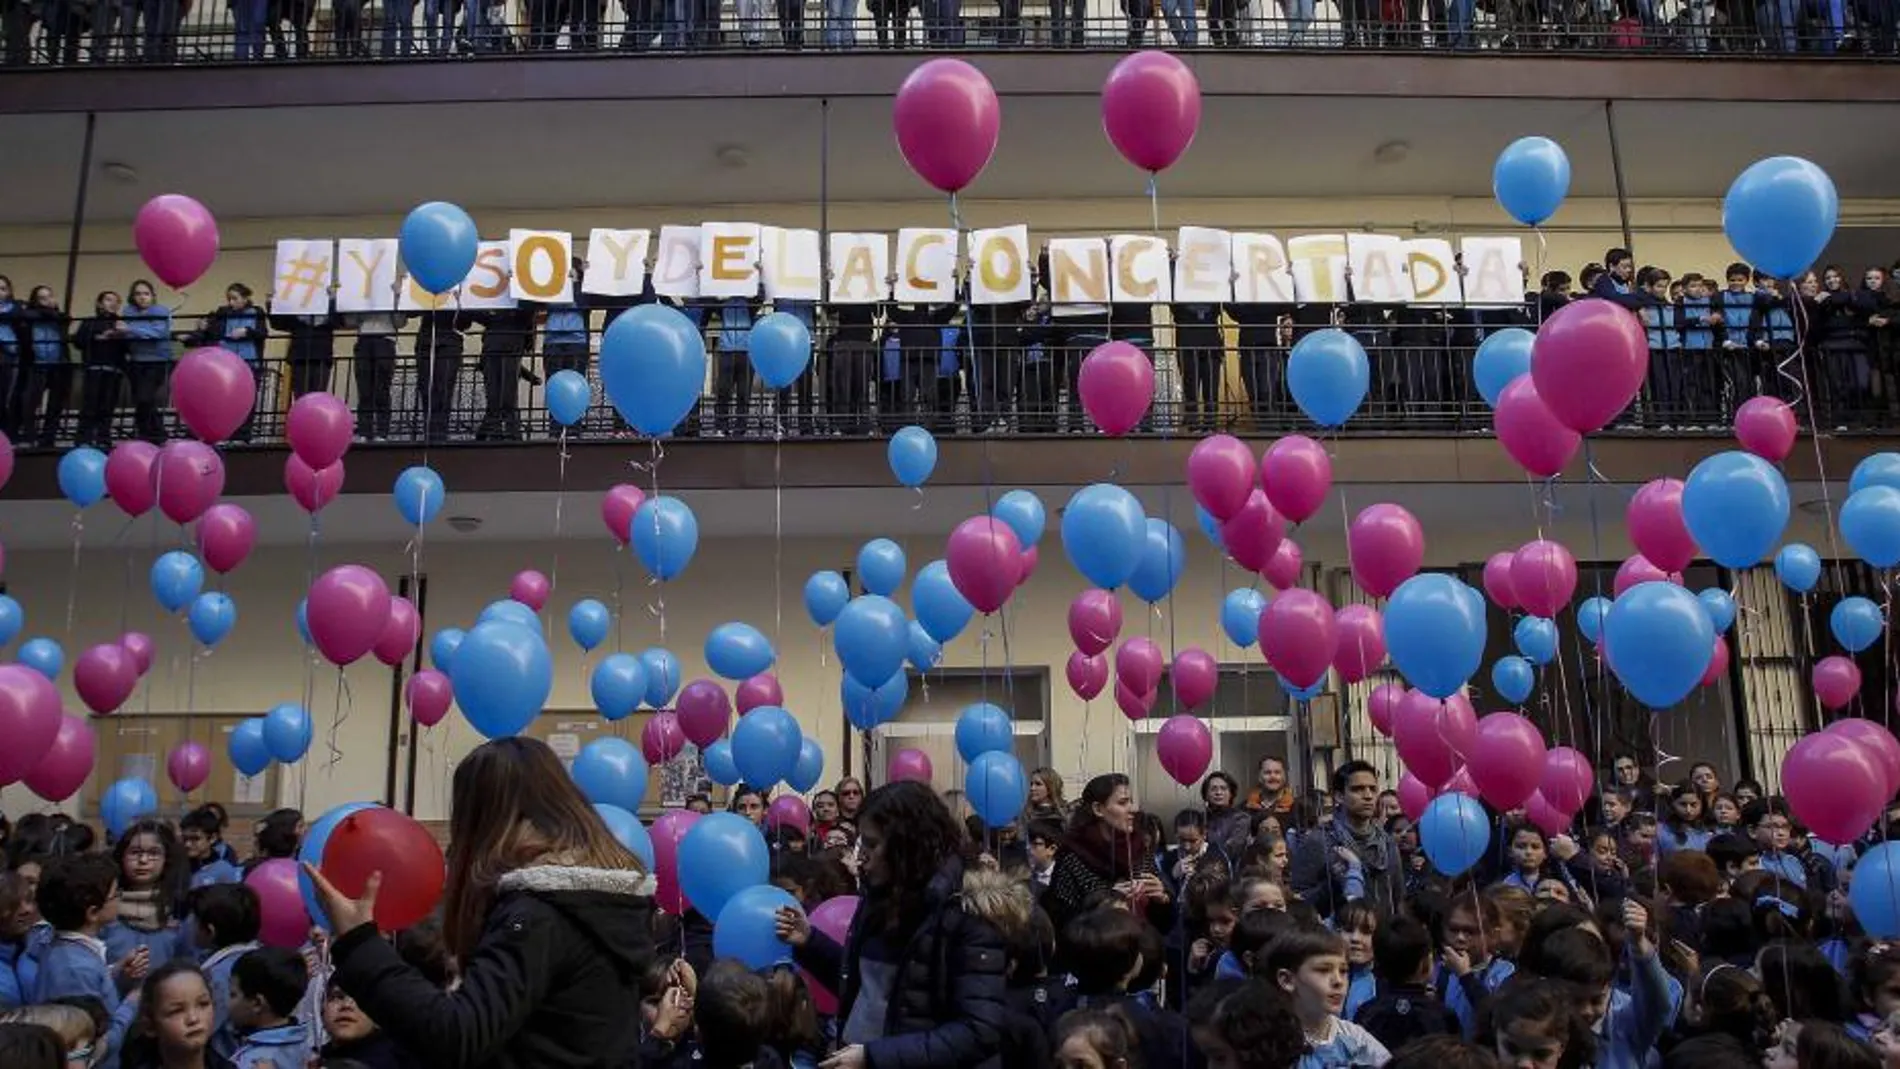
{"x":171,"y":32}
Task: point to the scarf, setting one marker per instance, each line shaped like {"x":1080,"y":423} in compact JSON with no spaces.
{"x":1371,"y":846}
{"x":141,"y":910}
{"x":1113,"y":855}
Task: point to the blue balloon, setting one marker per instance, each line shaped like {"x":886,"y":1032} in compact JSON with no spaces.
{"x":1303,"y":694}
{"x":441,"y":648}
{"x":747,"y":929}
{"x":1590,"y":617}
{"x":1536,"y":639}
{"x":663,"y":675}
{"x":665,"y":535}
{"x":611,"y":771}
{"x":1856,"y":623}
{"x":1163,"y":560}
{"x":1736,"y":506}
{"x":618,"y":685}
{"x":502,"y":675}
{"x":738,"y":651}
{"x":1023,"y":512}
{"x":1240,"y":616}
{"x":82,"y":475}
{"x":1720,"y":607}
{"x":653,"y":364}
{"x":780,"y":347}
{"x":125,"y":802}
{"x":765,"y":745}
{"x":418,"y":494}
{"x":438,"y":242}
{"x":719,"y":856}
{"x":941,"y":609}
{"x":1502,"y":356}
{"x":303,"y":622}
{"x":996,"y":787}
{"x":211,"y":617}
{"x":1103,"y":532}
{"x":1209,"y":526}
{"x":912,"y":455}
{"x":177,"y":577}
{"x":42,"y":655}
{"x":809,"y":768}
{"x":1454,"y":832}
{"x":12,"y":619}
{"x":1780,"y":214}
{"x":1513,"y":677}
{"x":287,"y":732}
{"x":718,"y":761}
{"x":310,"y":852}
{"x":881,"y":566}
{"x":982,"y":728}
{"x":1870,"y":521}
{"x":249,"y":755}
{"x":923,"y":652}
{"x":872,"y":637}
{"x":1530,"y":180}
{"x":1658,"y":640}
{"x":1798,"y":567}
{"x":626,"y":828}
{"x":1875,"y":891}
{"x":1328,"y":374}
{"x":826,"y":594}
{"x":1879,"y":469}
{"x":869,"y":707}
{"x":1434,"y":632}
{"x":568,"y":396}
{"x":509,"y":611}
{"x":588,"y":622}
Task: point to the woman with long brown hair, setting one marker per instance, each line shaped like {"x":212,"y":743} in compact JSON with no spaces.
{"x":1105,"y":852}
{"x":547,"y":914}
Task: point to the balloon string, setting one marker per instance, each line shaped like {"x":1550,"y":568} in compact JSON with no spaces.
{"x":652,"y":469}
{"x":620,"y":580}
{"x":778,"y":533}
{"x":560,"y":508}
{"x":338,"y":715}
{"x":1805,"y":391}
{"x":72,"y":575}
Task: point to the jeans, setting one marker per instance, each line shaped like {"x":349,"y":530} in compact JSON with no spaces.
{"x":1299,"y":16}
{"x":438,"y":25}
{"x":1461,"y":12}
{"x":1065,"y":22}
{"x":161,"y":30}
{"x":943,"y":22}
{"x":752,"y":15}
{"x":841,"y":30}
{"x":249,"y":16}
{"x":1181,"y":22}
{"x":148,"y":383}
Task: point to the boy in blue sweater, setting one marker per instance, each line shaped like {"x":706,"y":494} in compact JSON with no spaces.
{"x":79,"y":896}
{"x":1310,"y":966}
{"x":1698,"y":320}
{"x":1627,"y":1025}
{"x":1738,"y":307}
{"x":266,"y":985}
{"x":226,"y":918}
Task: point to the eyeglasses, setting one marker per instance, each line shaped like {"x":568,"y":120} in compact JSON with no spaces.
{"x":850,"y":793}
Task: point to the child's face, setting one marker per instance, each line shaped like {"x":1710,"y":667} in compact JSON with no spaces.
{"x":1643,"y":839}
{"x":181,"y":1013}
{"x":1464,"y":934}
{"x":1530,"y":1044}
{"x":1726,"y":812}
{"x":1697,"y":289}
{"x":1358,"y":945}
{"x":197,"y":844}
{"x":1042,"y":852}
{"x":107,"y":913}
{"x":1318,"y":987}
{"x":345,"y":1022}
{"x":1278,"y":856}
{"x":1220,"y":923}
{"x":1527,"y":851}
{"x":1738,"y":283}
{"x":245,"y":1010}
{"x":1595,"y":1008}
{"x":1614,"y":808}
{"x":1603,"y":851}
{"x":1553,"y":891}
{"x":1885,"y":998}
{"x":1264,"y":896}
{"x":235,"y":300}
{"x":144,"y":860}
{"x":1771,"y":832}
{"x":1659,"y":287}
{"x":142,"y":296}
{"x":1077,"y":1052}
{"x":1781,"y":1054}
{"x":1687,"y":806}
{"x":1191,"y":839}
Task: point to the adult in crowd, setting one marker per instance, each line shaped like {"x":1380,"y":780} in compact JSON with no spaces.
{"x":1351,"y":848}
{"x":1105,"y":854}
{"x":1045,"y":796}
{"x":1229,"y":825}
{"x":1270,"y":790}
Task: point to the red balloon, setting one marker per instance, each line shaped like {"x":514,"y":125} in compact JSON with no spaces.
{"x":1139,"y":663}
{"x":1254,"y":534}
{"x":1282,"y":571}
{"x":1637,"y":570}
{"x":662,"y":739}
{"x":704,"y":711}
{"x":1529,"y":431}
{"x":1765,"y":426}
{"x":1386,"y":546}
{"x":617,"y":509}
{"x":1087,"y":674}
{"x":65,"y":767}
{"x":762,"y":689}
{"x":1836,"y":681}
{"x":788,"y":811}
{"x":667,"y":831}
{"x":1567,"y":779}
{"x":188,"y":765}
{"x":1544,"y":577}
{"x":1151,"y":108}
{"x":129,"y":476}
{"x":1549,"y":819}
{"x":177,"y":237}
{"x":1507,"y":759}
{"x":1221,"y":472}
{"x":105,"y":676}
{"x":1382,"y":706}
{"x":429,"y":693}
{"x":1497,"y":580}
{"x":985,"y":561}
{"x":319,"y":428}
{"x":1134,"y":706}
{"x":1657,"y":528}
{"x":1299,"y":636}
{"x":1185,"y":748}
{"x":187,"y":478}
{"x":1296,"y":474}
{"x":401,"y":631}
{"x":226,"y":533}
{"x":1432,"y":737}
{"x":1117,"y":384}
{"x":1718,"y":662}
{"x":1414,"y":796}
{"x":347,"y":609}
{"x":1878,"y":740}
{"x":382,"y":840}
{"x":1095,"y":618}
{"x":283,"y":921}
{"x":1589,"y":360}
{"x":141,"y":647}
{"x":1195,"y":676}
{"x":530,"y":588}
{"x":312,"y":488}
{"x":1836,"y":786}
{"x":947,"y":122}
{"x":910,"y":765}
{"x":1361,"y":646}
{"x":213,"y":390}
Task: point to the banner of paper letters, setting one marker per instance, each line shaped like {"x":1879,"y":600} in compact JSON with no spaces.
{"x":915,"y":266}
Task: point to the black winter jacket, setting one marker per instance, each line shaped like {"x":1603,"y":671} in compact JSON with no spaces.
{"x":946,"y":1007}
{"x":553,"y":982}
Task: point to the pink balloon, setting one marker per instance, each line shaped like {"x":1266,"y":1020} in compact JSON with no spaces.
{"x":226,"y":533}
{"x":1878,"y":741}
{"x":6,"y":460}
{"x":1507,"y":759}
{"x":1138,"y":663}
{"x":617,"y":509}
{"x":662,"y":739}
{"x":1528,"y":430}
{"x":1151,"y":107}
{"x":910,"y":765}
{"x":788,"y":811}
{"x":1029,"y":561}
{"x":1386,"y":546}
{"x":1656,"y":525}
{"x":1297,"y":475}
{"x":1765,"y":426}
{"x":1636,"y":570}
{"x":1382,"y":706}
{"x":1414,"y":796}
{"x":1283,"y":568}
{"x":319,"y":428}
{"x":66,"y":765}
{"x":1549,"y":819}
{"x":1185,"y":748}
{"x":347,"y":608}
{"x":1221,"y":473}
{"x":530,"y":588}
{"x":1544,"y":577}
{"x":1462,"y":783}
{"x":129,"y":476}
{"x":1195,"y":675}
{"x":1718,"y":662}
{"x":985,"y":561}
{"x":213,"y":391}
{"x":1253,"y":534}
{"x":402,"y":629}
{"x":1497,"y":580}
{"x":429,"y":693}
{"x":1836,"y":786}
{"x":177,"y":238}
{"x":188,"y":765}
{"x":762,"y":689}
{"x":1589,"y":360}
{"x":1432,"y":737}
{"x":1299,"y":637}
{"x":947,"y":122}
{"x":667,"y":831}
{"x":105,"y":676}
{"x":1836,"y":681}
{"x":704,"y":711}
{"x":187,"y":477}
{"x":1134,"y":705}
{"x":280,"y":909}
{"x":312,"y":488}
{"x":1095,"y":618}
{"x":1361,"y":642}
{"x":1087,"y":675}
{"x":833,"y":917}
{"x":1566,"y":782}
{"x":1117,"y":384}
{"x":141,"y":647}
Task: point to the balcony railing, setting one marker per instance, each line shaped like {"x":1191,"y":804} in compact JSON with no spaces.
{"x":172,"y":32}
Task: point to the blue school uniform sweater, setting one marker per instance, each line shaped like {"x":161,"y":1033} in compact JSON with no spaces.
{"x":1460,"y":1001}
{"x":48,"y":340}
{"x":1698,"y":333}
{"x":566,"y":325}
{"x":1628,"y":1032}
{"x":1738,"y":317}
{"x":284,"y":1047}
{"x":74,"y":964}
{"x":1777,"y":325}
{"x":1660,"y":325}
{"x":1361,"y":987}
{"x":9,"y":338}
{"x":1346,"y":1045}
{"x":735,"y":325}
{"x":217,"y":970}
{"x":27,"y":965}
{"x":150,"y":331}
{"x":251,"y":319}
{"x":1785,"y":865}
{"x":1668,"y":840}
{"x":122,"y":939}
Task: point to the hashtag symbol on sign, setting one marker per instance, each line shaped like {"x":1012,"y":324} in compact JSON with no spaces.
{"x":302,"y":272}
